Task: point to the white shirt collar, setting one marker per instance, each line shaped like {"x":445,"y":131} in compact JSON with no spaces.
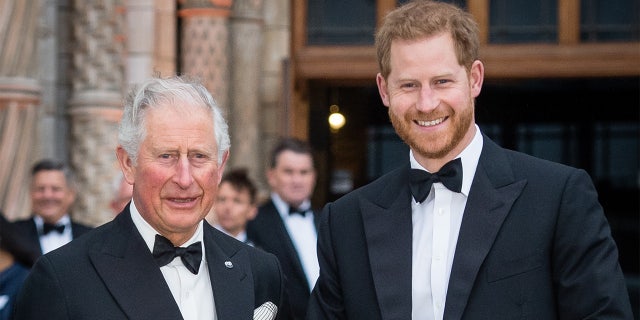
{"x":65,"y":220}
{"x":148,"y":233}
{"x":469,"y":157}
{"x":283,"y":207}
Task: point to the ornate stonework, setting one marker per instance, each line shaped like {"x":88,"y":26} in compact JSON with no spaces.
{"x":73,"y":105}
{"x":99,"y":40}
{"x":19,"y":102}
{"x":205,"y":50}
{"x":205,"y":54}
{"x":96,"y":104}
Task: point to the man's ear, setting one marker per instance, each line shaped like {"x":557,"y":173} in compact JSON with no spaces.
{"x":126,"y":164}
{"x":476,"y":78}
{"x":225,"y":157}
{"x":270,"y":177}
{"x":252,"y":214}
{"x":382,"y":89}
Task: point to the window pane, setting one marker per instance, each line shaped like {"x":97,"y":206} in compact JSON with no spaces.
{"x":610,"y":20}
{"x":341,"y":22}
{"x":554,"y":142}
{"x":517,"y":21}
{"x":617,"y":154}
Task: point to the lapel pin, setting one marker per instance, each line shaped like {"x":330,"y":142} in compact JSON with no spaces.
{"x":228,"y":264}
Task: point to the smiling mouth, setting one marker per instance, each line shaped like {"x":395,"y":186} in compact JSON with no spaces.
{"x":430,"y":123}
{"x":183,"y":200}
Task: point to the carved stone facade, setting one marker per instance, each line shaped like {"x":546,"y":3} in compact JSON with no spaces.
{"x":96,"y":103}
{"x":19,"y":102}
{"x":93,"y":51}
{"x":205,"y":50}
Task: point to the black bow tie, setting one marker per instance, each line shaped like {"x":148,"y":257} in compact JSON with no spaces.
{"x":164,"y":252}
{"x":48,"y":227}
{"x":294,"y":211}
{"x":450,"y":175}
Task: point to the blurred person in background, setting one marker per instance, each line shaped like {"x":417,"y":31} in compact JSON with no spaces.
{"x":52,"y":191}
{"x":286,"y":225}
{"x":235,"y":204}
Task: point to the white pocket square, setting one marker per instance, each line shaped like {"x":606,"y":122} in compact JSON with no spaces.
{"x":267,"y":311}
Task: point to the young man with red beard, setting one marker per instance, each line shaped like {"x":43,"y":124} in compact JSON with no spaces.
{"x":465,"y":229}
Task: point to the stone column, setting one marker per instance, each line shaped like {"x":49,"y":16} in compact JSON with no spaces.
{"x":274,"y":80}
{"x":96,"y":104}
{"x":19,"y":102}
{"x":205,"y":53}
{"x":151,"y":39}
{"x":246,"y":65}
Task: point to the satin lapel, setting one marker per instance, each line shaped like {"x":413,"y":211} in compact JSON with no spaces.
{"x":134,"y":279}
{"x":493,"y":192}
{"x":27,"y":230}
{"x":231,"y":276}
{"x":388,"y":229}
{"x":278,"y":230}
{"x":34,"y":238}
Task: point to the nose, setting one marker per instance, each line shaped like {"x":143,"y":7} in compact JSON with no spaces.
{"x":427,"y":99}
{"x":47,"y":192}
{"x":183,"y":176}
{"x":222,"y":208}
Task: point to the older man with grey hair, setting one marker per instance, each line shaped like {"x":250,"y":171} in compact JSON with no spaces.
{"x":159,"y":258}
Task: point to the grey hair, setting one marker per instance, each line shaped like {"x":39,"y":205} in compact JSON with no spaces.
{"x":162,"y":91}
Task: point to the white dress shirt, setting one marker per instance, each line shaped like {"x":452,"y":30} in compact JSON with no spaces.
{"x":302,"y":231}
{"x":192,"y":292}
{"x":436,"y":225}
{"x":54,"y":240}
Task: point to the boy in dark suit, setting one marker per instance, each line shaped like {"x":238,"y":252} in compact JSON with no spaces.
{"x":235,"y":205}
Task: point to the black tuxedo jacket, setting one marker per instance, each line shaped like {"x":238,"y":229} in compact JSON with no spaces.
{"x":534,"y":244}
{"x":110,"y":274}
{"x":27,"y":228}
{"x":268,"y":232}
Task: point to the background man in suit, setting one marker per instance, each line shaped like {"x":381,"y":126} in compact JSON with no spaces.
{"x":52,"y":192}
{"x":235,"y":204}
{"x":511,"y":237}
{"x":158,"y":259}
{"x":286,"y":224}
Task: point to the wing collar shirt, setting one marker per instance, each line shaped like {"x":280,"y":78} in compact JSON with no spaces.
{"x":436,"y":225}
{"x":192,"y":292}
{"x":54,"y":240}
{"x":302,"y":231}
